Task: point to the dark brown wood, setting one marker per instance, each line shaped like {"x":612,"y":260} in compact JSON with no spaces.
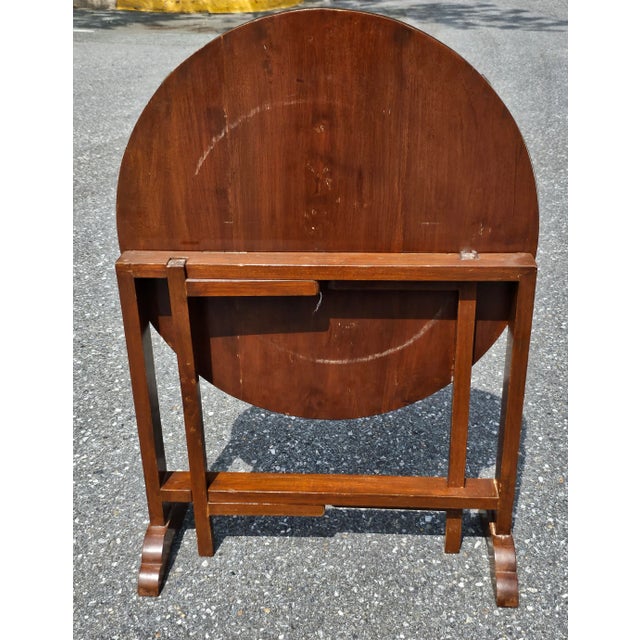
{"x":515,"y":373}
{"x":327,"y":214}
{"x":265,"y":509}
{"x":313,"y":348}
{"x":192,"y":410}
{"x":504,"y":569}
{"x":273,"y":143}
{"x":145,"y":395}
{"x":345,"y":266}
{"x":319,"y":364}
{"x":338,"y":490}
{"x":465,"y":333}
{"x":222,"y":287}
{"x":324,"y":130}
{"x":156,"y":549}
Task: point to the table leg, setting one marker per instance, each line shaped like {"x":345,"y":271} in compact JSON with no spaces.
{"x":164,"y":518}
{"x":192,"y":406}
{"x":465,"y":332}
{"x":504,"y":555}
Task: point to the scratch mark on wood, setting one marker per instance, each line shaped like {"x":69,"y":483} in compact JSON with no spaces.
{"x":373,"y":356}
{"x":228,"y":128}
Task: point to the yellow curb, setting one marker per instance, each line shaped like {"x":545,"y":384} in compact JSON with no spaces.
{"x":205,"y":6}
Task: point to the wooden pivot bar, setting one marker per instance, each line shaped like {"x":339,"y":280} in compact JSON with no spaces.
{"x":199,"y":274}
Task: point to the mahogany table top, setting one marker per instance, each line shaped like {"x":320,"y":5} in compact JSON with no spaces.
{"x":324,"y":130}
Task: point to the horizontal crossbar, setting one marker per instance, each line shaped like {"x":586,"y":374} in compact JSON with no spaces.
{"x":264,"y":509}
{"x":222,"y":287}
{"x":338,"y":490}
{"x":332,"y":265}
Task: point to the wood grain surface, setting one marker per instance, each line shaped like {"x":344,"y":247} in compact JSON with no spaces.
{"x":327,"y":131}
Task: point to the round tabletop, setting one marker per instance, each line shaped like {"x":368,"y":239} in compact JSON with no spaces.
{"x":328,"y":130}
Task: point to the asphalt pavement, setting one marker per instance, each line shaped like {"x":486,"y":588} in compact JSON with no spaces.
{"x":358,"y":574}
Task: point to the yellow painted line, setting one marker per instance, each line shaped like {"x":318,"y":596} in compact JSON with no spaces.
{"x":205,"y":6}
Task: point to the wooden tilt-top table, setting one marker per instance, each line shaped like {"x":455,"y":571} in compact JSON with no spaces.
{"x":327,"y":214}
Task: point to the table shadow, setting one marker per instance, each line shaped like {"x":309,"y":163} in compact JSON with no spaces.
{"x":413,"y":441}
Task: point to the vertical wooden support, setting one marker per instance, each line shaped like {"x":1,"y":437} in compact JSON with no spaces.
{"x":465,"y":332}
{"x":517,"y":354}
{"x":515,"y":373}
{"x":145,"y":394}
{"x":164,"y":520}
{"x":192,"y":408}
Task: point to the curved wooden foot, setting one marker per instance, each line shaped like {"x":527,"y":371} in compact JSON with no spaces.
{"x":155,"y":551}
{"x":503,"y":560}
